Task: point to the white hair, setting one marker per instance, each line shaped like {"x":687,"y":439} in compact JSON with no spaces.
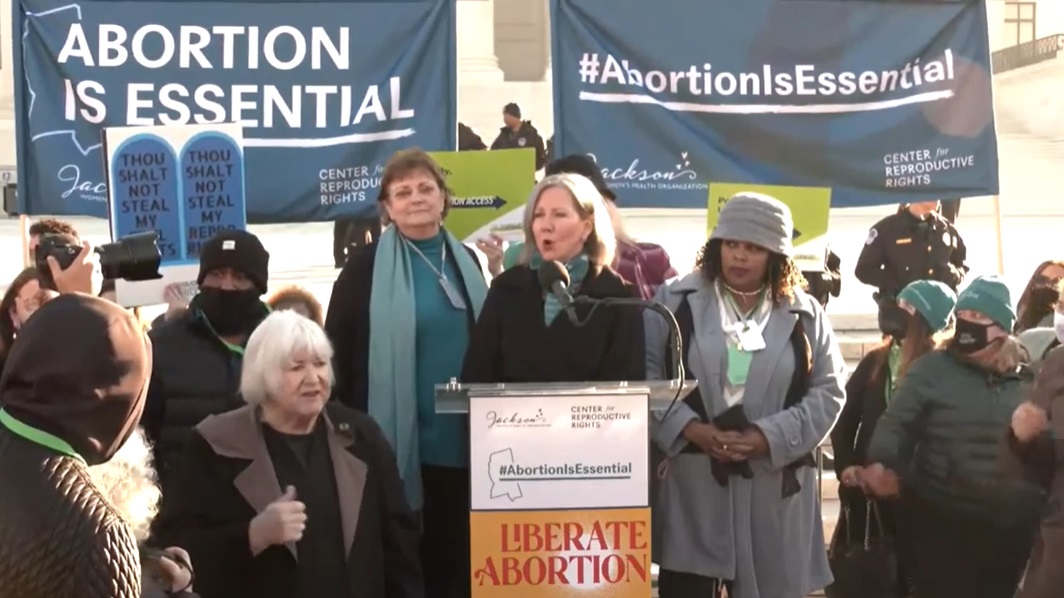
{"x":274,"y":346}
{"x":601,"y":244}
{"x":128,"y":480}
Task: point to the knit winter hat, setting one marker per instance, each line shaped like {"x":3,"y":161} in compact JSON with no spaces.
{"x":990,"y":296}
{"x":239,"y":250}
{"x":759,"y":219}
{"x":932,"y":299}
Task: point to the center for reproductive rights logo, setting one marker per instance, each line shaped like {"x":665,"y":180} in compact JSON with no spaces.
{"x":507,"y":475}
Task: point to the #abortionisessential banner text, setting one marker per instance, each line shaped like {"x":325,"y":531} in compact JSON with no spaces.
{"x":883,"y":102}
{"x":324,"y":91}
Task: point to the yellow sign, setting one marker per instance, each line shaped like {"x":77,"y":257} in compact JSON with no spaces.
{"x":561,"y":554}
{"x":489,"y":190}
{"x":810,"y":206}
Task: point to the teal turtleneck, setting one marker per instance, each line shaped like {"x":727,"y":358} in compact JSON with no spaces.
{"x":442,"y":337}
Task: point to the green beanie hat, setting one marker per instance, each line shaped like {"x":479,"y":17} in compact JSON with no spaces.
{"x":990,"y":296}
{"x":932,"y":299}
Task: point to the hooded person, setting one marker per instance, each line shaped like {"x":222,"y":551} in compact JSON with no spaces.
{"x":69,"y":406}
{"x":198,"y":354}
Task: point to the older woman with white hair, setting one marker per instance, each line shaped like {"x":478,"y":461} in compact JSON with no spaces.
{"x":522,"y":334}
{"x":291,"y":496}
{"x":128,"y":481}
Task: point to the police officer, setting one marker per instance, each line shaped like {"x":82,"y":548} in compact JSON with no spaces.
{"x":914,"y":244}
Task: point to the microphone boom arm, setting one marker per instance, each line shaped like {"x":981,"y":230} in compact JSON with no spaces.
{"x":676,"y":348}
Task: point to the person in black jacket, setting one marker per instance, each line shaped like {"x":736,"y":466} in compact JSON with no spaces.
{"x":517,"y":133}
{"x":913,"y":244}
{"x":198,"y":354}
{"x":967,"y":516}
{"x":400,"y":318}
{"x":523,"y":335}
{"x":929,"y":307}
{"x":74,"y":389}
{"x":468,"y":140}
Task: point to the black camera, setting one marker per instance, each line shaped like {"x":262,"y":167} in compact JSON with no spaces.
{"x":134,"y":257}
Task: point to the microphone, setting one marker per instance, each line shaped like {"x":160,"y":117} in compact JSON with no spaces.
{"x":675,"y":346}
{"x":554,"y":279}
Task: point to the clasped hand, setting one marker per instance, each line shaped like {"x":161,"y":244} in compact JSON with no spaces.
{"x":727,"y":446}
{"x":874,"y":480}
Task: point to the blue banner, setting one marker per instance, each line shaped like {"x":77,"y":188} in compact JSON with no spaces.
{"x":883,"y":102}
{"x":325,"y":93}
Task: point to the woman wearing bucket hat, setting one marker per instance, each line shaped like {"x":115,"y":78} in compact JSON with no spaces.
{"x":928,"y":306}
{"x":967,"y":520}
{"x":736,"y":509}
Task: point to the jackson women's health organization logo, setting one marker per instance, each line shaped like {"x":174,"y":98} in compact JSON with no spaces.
{"x":634,"y":175}
{"x":517,"y":419}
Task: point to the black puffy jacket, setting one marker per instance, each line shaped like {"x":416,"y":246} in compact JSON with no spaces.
{"x":195,"y":374}
{"x":59,"y":537}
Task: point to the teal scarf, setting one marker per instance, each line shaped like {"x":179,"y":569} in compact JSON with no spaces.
{"x":577,"y":267}
{"x":393,"y":345}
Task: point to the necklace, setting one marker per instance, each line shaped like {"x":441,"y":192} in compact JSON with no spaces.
{"x":743,"y":294}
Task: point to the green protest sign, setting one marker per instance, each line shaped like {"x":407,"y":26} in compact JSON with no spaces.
{"x":490,"y":189}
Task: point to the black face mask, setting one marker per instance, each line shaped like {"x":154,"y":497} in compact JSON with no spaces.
{"x":970,"y":336}
{"x":230,"y":312}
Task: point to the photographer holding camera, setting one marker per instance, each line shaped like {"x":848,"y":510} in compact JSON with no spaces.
{"x":65,"y":264}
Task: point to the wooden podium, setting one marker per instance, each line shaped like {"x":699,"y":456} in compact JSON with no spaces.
{"x":559,"y":482}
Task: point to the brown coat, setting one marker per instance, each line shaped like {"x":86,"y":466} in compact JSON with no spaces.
{"x":1045,"y":576}
{"x":228,"y":477}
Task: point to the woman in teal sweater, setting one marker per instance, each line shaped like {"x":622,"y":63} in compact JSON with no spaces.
{"x":400,"y":319}
{"x":967,"y":519}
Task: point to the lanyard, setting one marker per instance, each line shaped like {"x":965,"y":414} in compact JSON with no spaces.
{"x":453,"y":295}
{"x":38,"y":436}
{"x":443,"y":259}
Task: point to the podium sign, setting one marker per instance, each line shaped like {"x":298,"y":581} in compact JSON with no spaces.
{"x":560,"y":498}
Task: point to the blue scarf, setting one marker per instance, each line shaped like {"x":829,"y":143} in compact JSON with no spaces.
{"x":393,"y":346}
{"x":577,"y":267}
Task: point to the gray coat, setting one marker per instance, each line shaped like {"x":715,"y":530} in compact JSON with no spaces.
{"x":771,"y":547}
